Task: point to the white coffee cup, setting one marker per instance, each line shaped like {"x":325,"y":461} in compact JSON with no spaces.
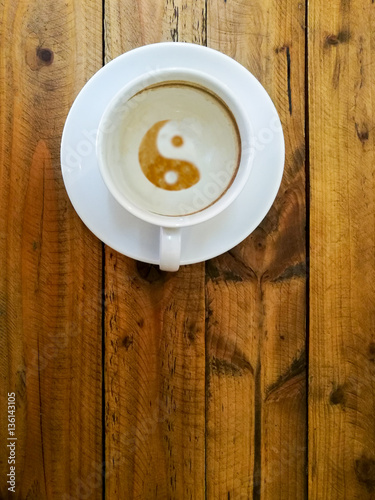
{"x":108,"y":154}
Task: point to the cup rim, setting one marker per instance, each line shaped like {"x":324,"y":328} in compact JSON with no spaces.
{"x":213,"y":85}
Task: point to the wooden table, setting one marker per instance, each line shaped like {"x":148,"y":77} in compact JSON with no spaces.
{"x":250,"y":376}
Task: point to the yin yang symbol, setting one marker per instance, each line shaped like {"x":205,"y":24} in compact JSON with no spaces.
{"x":171,"y":174}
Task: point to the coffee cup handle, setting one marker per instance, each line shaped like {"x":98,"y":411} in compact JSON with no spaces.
{"x":170,"y":248}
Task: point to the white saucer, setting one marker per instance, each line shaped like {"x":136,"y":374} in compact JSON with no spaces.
{"x":112,"y":223}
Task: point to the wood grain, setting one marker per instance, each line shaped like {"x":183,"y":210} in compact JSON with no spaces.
{"x":205,"y":369}
{"x":154,"y":322}
{"x":50,"y":285}
{"x":342,"y":325}
{"x":256,"y":293}
{"x":132,"y":24}
{"x":154,"y":381}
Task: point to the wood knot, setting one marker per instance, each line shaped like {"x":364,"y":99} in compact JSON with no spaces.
{"x":127,"y":341}
{"x":292,"y":272}
{"x":215,"y":274}
{"x":341,"y":37}
{"x":332,"y":40}
{"x":365,"y":471}
{"x":288,"y":384}
{"x":362,"y":132}
{"x":212,"y":272}
{"x":337,"y":396}
{"x":150,"y":272}
{"x":141,"y":322}
{"x":45,"y":56}
{"x":236,"y":367}
{"x":259,"y":240}
{"x":191,"y":331}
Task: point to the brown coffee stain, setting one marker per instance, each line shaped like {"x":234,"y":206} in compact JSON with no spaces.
{"x":155,"y":166}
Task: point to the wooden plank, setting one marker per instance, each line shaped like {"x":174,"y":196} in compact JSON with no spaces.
{"x":342,"y":325}
{"x":132,"y":24}
{"x":154,"y":321}
{"x":50,"y":285}
{"x":256,"y":413}
{"x":154,"y":381}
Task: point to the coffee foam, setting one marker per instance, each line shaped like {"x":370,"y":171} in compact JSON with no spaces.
{"x":174,"y":149}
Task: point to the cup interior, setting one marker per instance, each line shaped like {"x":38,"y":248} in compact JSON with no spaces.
{"x":110,"y":125}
